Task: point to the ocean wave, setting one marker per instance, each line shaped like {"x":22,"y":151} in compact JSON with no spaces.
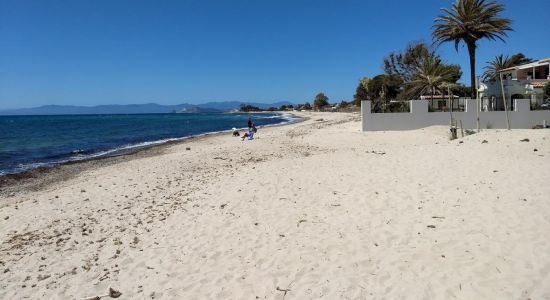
{"x":287,"y":118}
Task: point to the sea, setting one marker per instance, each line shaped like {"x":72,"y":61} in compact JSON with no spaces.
{"x":29,"y":142}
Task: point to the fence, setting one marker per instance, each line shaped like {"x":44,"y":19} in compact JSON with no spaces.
{"x":419,"y":117}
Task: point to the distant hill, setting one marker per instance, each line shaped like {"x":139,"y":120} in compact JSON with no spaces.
{"x":136,"y":108}
{"x":195,"y":109}
{"x":229,"y":105}
{"x":100,"y":109}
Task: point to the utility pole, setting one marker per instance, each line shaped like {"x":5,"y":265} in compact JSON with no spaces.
{"x":504,"y":99}
{"x":478,"y":103}
{"x":450,"y":103}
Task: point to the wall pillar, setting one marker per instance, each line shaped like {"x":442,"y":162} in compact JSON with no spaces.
{"x":419,"y":106}
{"x":365,"y":113}
{"x":365,"y":107}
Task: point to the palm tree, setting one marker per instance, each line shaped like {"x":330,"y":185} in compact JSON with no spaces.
{"x":430,"y":77}
{"x":469,"y":21}
{"x":501,"y":62}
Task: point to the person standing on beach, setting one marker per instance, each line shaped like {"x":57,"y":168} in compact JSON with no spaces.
{"x":249,"y":122}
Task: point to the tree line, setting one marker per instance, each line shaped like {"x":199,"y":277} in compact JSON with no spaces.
{"x":320,"y":102}
{"x":419,"y":70}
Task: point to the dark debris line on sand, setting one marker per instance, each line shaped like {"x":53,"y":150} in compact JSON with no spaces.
{"x":112,"y":294}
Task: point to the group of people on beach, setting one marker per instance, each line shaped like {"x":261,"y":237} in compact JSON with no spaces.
{"x":248,"y":134}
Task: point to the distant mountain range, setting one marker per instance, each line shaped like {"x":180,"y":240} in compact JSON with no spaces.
{"x":137,"y":108}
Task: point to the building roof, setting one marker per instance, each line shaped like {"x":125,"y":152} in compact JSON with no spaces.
{"x":540,"y":62}
{"x":437,"y":97}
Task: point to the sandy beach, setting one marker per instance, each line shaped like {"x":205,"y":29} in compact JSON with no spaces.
{"x":311,"y":210}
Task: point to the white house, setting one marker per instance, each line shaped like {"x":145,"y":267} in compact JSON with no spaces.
{"x":520,"y":82}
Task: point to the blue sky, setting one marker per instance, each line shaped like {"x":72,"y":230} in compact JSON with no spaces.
{"x":168,"y":52}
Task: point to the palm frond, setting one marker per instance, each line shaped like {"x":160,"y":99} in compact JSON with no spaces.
{"x":501,"y":62}
{"x":470,"y":20}
{"x":431,"y":76}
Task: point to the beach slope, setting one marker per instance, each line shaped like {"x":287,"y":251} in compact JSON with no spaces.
{"x":311,"y":210}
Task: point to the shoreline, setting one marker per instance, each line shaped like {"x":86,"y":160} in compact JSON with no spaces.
{"x":38,"y":177}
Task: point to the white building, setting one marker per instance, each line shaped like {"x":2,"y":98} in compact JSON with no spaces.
{"x":520,"y":82}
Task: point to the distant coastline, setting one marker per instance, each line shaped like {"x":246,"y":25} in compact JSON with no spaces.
{"x":148,"y":108}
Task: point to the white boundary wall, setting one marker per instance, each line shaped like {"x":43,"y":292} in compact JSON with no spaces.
{"x":419,"y":117}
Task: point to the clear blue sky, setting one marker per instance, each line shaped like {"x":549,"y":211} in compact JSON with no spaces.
{"x":168,"y":52}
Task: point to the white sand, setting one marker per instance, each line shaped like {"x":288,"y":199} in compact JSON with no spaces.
{"x":318,"y":209}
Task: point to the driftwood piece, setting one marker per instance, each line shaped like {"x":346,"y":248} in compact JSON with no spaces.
{"x":283,"y":290}
{"x":112,"y":294}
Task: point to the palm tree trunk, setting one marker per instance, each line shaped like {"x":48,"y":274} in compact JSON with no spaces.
{"x":472,"y":53}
